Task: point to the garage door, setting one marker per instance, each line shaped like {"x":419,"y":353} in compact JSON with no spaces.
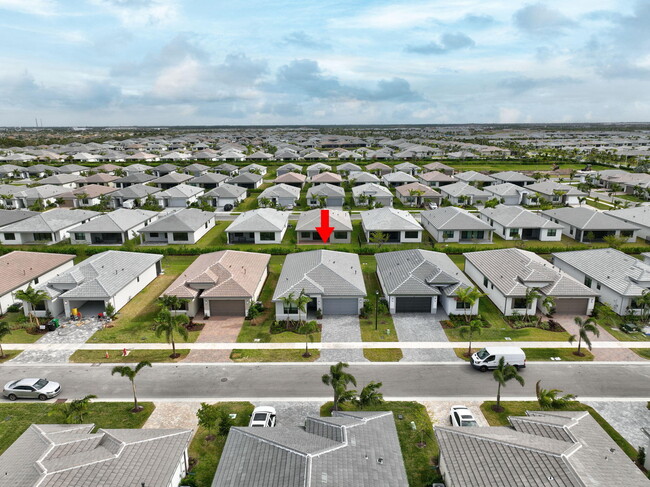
{"x":419,"y":304}
{"x":227,"y":307}
{"x":341,"y":306}
{"x":571,"y":306}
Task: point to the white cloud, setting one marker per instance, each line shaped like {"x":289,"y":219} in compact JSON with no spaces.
{"x":139,"y":13}
{"x":31,"y":7}
{"x":509,"y":115}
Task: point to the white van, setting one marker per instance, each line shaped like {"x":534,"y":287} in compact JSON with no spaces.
{"x":488,"y":358}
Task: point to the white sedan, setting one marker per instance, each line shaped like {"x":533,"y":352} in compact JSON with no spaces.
{"x":461,"y":416}
{"x":263,"y":417}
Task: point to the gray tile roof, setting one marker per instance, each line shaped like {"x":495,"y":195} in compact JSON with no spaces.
{"x":398,"y":177}
{"x":51,"y":221}
{"x":340,"y":451}
{"x":471,"y":176}
{"x":135,"y":191}
{"x":324,"y":272}
{"x":325,"y":189}
{"x":388,"y":219}
{"x":637,"y":215}
{"x":135,"y":178}
{"x":506,"y":189}
{"x":280,"y":191}
{"x":371,"y":189}
{"x":453,"y":218}
{"x":208,"y":178}
{"x":12,"y":216}
{"x":184,"y":220}
{"x":508,"y":176}
{"x":363,"y":177}
{"x":71,"y":455}
{"x":512,"y":270}
{"x":226,"y":191}
{"x":172,"y":178}
{"x":60,"y":179}
{"x":587,"y":219}
{"x":463,"y":189}
{"x":558,"y":448}
{"x":517,"y":217}
{"x":45,"y":191}
{"x":245,"y":177}
{"x":260,"y":220}
{"x":101,"y":276}
{"x":119,"y":220}
{"x":547,"y":188}
{"x":309,"y":220}
{"x":419,"y":272}
{"x":624,"y":274}
{"x":180,"y":191}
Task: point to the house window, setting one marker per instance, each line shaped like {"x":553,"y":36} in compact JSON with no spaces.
{"x":461,"y":305}
{"x":571,"y":230}
{"x":180,"y":236}
{"x":85,"y":201}
{"x":267,"y":236}
{"x":206,"y":224}
{"x":598,"y":286}
{"x":519,"y":303}
{"x":340,"y":235}
{"x":80,"y":236}
{"x":473,"y":234}
{"x":35,"y":281}
{"x":42,"y":237}
{"x":411,"y":234}
{"x":551,"y":232}
{"x":137,"y":279}
{"x":153,"y":234}
{"x":514,"y":232}
{"x":448,"y":234}
{"x":485,"y":282}
{"x":305,"y":234}
{"x":627,"y":233}
{"x":10,"y":236}
{"x":587,"y":281}
{"x":290,"y":309}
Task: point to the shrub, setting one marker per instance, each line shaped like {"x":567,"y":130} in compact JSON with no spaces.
{"x":14,"y":308}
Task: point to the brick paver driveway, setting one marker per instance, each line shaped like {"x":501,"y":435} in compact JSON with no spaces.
{"x":217,"y":329}
{"x":341,"y":329}
{"x":422,"y":327}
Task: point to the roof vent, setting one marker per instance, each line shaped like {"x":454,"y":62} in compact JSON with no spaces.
{"x":380,"y":461}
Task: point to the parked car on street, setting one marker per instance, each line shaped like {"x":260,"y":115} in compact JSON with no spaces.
{"x":461,"y":416}
{"x":41,"y":389}
{"x":263,"y":417}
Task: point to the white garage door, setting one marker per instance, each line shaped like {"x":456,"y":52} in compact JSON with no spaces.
{"x":340,"y":306}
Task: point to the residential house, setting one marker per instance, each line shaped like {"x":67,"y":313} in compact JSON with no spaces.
{"x":101,"y":179}
{"x":590,"y":225}
{"x":209,"y":180}
{"x":398,"y":226}
{"x":398,"y":178}
{"x":114,"y":228}
{"x":229,"y":170}
{"x":512,"y":177}
{"x":57,"y":455}
{"x":515,"y":223}
{"x":348,"y":168}
{"x":286,"y":155}
{"x":333,"y":281}
{"x":226,"y":194}
{"x":435,"y":179}
{"x":132,"y":196}
{"x":7,"y":217}
{"x":555,"y":193}
{"x":451,"y":224}
{"x":85,"y":196}
{"x":196,"y":169}
{"x":21,"y":270}
{"x":171,"y":179}
{"x":261,"y":226}
{"x":108,"y":168}
{"x":47,"y":196}
{"x":310,"y":221}
{"x":464,"y":193}
{"x":74,"y":169}
{"x":164,"y":169}
{"x":247,"y":180}
{"x":40,"y":170}
{"x":357,"y":178}
{"x":417,"y":194}
{"x":223,"y":283}
{"x":407,"y":168}
{"x":48,"y":227}
{"x":619,"y":279}
{"x":371,"y":194}
{"x":112,"y":277}
{"x":136,"y":168}
{"x":184,"y":226}
{"x":422,"y":281}
{"x":639,"y":216}
{"x":330,"y":195}
{"x":287,"y":168}
{"x":281,"y":195}
{"x":475,"y":178}
{"x":317,"y":168}
{"x":379,"y":168}
{"x":439,"y":166}
{"x":255,"y":168}
{"x":327,"y":178}
{"x":352,"y":448}
{"x":69,"y":181}
{"x":292,"y":179}
{"x":508,"y":276}
{"x":131,"y":179}
{"x":561,"y":448}
{"x":180,"y":196}
{"x":507,"y":193}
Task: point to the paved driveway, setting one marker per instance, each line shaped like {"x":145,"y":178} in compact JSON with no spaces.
{"x":422,"y":327}
{"x":292,"y":413}
{"x":217,"y":329}
{"x":341,"y":329}
{"x":627,"y":418}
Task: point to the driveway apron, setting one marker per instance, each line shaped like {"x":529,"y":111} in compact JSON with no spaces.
{"x":341,"y":329}
{"x":422,"y":327}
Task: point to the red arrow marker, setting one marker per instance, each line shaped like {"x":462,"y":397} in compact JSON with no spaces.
{"x":325,"y":230}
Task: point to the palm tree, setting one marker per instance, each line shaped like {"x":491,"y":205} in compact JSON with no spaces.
{"x":548,"y":398}
{"x":288,"y":302}
{"x":644,"y":303}
{"x":469,"y":296}
{"x":584,"y":327}
{"x":74,"y":411}
{"x":474,"y":327}
{"x":417,"y":193}
{"x":502,"y":374}
{"x":4,"y":331}
{"x":370,"y":395}
{"x":549,"y":304}
{"x":301,"y":303}
{"x":308,"y":329}
{"x":532,"y":295}
{"x":170,"y":324}
{"x":33,"y":298}
{"x":172,"y":303}
{"x":339,"y":380}
{"x":126,"y":371}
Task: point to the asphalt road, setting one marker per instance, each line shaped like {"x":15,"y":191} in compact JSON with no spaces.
{"x":255,"y":381}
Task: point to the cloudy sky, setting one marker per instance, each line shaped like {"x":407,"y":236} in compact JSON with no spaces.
{"x":161,"y":62}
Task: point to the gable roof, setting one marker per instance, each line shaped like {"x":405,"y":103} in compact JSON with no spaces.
{"x":226,"y":190}
{"x":135,"y":191}
{"x":548,"y":187}
{"x":325,"y":189}
{"x":471,"y":176}
{"x":405,"y":190}
{"x":51,"y":221}
{"x":119,"y":220}
{"x":180,"y":191}
{"x":514,"y":216}
{"x":507,"y":176}
{"x":453,"y":218}
{"x":324,"y":272}
{"x":280,"y":191}
{"x":637,"y":215}
{"x":388,"y":219}
{"x":309,"y":220}
{"x":463,"y":189}
{"x":12,"y":216}
{"x":371,"y":189}
{"x":183,"y":220}
{"x":227,"y":273}
{"x":260,"y":220}
{"x":587,"y":219}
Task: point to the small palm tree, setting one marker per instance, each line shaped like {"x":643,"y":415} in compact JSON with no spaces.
{"x":169,"y":324}
{"x":288,"y":302}
{"x":33,"y":298}
{"x":370,"y":395}
{"x":126,"y":371}
{"x":308,"y":329}
{"x":584,"y":327}
{"x":74,"y":411}
{"x":4,"y":331}
{"x":172,"y":303}
{"x":502,"y":374}
{"x":469,"y":330}
{"x":469,"y":296}
{"x":301,"y":303}
{"x":532,"y":295}
{"x":548,"y":398}
{"x":549,"y":304}
{"x":339,"y":379}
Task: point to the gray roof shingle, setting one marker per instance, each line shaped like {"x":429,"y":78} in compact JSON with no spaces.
{"x":453,"y":218}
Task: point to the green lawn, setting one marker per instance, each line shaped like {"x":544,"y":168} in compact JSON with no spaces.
{"x":540,"y":354}
{"x":134,"y":321}
{"x":383,"y":354}
{"x":18,"y":328}
{"x":519,"y":408}
{"x":134,"y":356}
{"x":283,"y":355}
{"x":630,"y":197}
{"x":205,"y":453}
{"x":17,"y":417}
{"x":642,"y":352}
{"x":420,"y":460}
{"x":599,"y":205}
{"x":612,"y":322}
{"x":216,"y":237}
{"x":8,"y":355}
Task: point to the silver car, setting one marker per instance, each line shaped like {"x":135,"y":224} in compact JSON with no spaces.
{"x":41,"y":389}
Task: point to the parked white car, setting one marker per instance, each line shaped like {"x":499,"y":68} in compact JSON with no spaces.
{"x":263,"y":417}
{"x":461,"y":416}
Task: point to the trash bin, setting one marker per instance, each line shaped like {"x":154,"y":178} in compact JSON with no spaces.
{"x":51,"y":326}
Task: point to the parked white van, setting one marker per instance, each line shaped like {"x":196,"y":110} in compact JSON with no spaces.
{"x":488,"y":358}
